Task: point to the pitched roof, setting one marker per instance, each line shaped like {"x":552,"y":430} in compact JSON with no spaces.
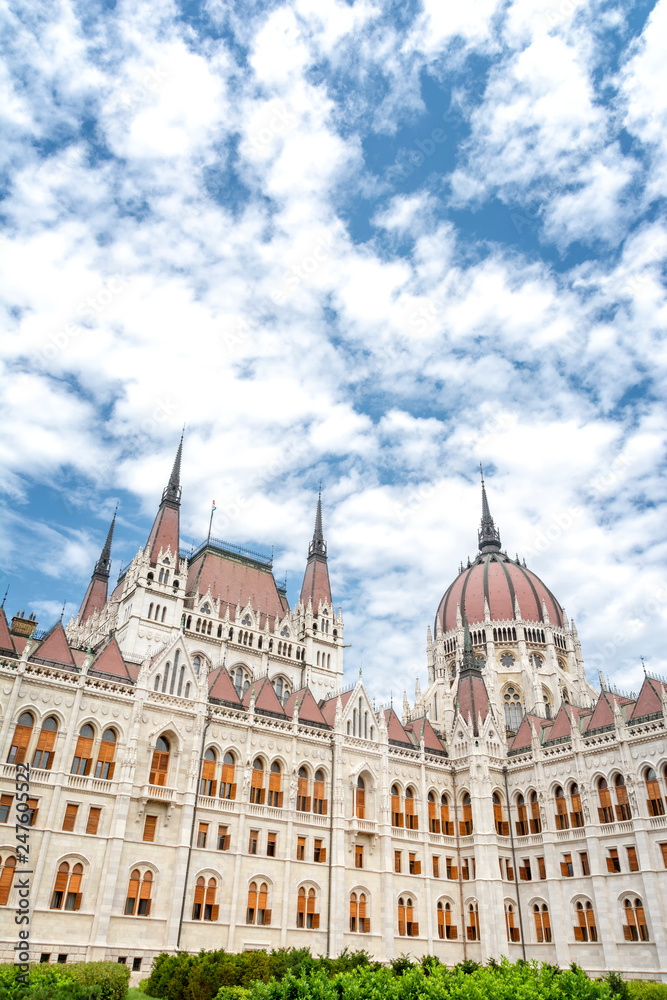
{"x":220,"y":686}
{"x":562,"y":726}
{"x":603,"y":713}
{"x":328,"y":707}
{"x":472,"y":697}
{"x":235,"y":580}
{"x":395,"y":730}
{"x":110,"y":661}
{"x":308,"y":708}
{"x":5,"y":634}
{"x":524,"y":734}
{"x":316,"y":585}
{"x":649,"y":701}
{"x":266,"y":699}
{"x":55,"y":647}
{"x":431,"y":739}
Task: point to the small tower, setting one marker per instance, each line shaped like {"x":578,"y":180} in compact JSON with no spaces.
{"x":165,"y":532}
{"x":323,"y":629}
{"x":96,"y":595}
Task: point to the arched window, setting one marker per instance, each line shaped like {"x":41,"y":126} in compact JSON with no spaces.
{"x":396,"y":812}
{"x":84,"y":749}
{"x":208,"y":784}
{"x":166,"y":675}
{"x":584,"y":928}
{"x":472,"y":930}
{"x":577,"y":813}
{"x":302,"y":797}
{"x":166,"y":576}
{"x":542,"y":923}
{"x":275,"y":793}
{"x":205,"y":906}
{"x":257,"y":782}
{"x":67,"y":889}
{"x":513,"y":710}
{"x":105,"y":757}
{"x":22,"y":734}
{"x":634,"y":928}
{"x":546,"y":698}
{"x":411,"y":817}
{"x":447,"y":931}
{"x":358,"y":919}
{"x":196,"y":663}
{"x":150,"y":610}
{"x":510,"y":924}
{"x":623,"y":810}
{"x":502,"y":827}
{"x":522,"y":822}
{"x":138,"y":901}
{"x":446,"y":824}
{"x":562,"y":821}
{"x":605,"y":811}
{"x":433,"y":819}
{"x":319,"y":801}
{"x":360,"y":799}
{"x":228,"y":783}
{"x":156,"y":686}
{"x":258,"y":911}
{"x":186,"y":693}
{"x":465,"y":824}
{"x":278,"y":685}
{"x":7,"y":869}
{"x":164,"y":611}
{"x":535,"y":818}
{"x":656,"y":807}
{"x":46,"y":741}
{"x":157,"y":612}
{"x":188,"y":623}
{"x":407,"y":927}
{"x":160,"y":762}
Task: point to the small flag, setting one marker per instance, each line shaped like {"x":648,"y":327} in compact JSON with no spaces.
{"x":213,"y":509}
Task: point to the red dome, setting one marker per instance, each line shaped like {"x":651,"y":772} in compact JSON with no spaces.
{"x":494,"y":576}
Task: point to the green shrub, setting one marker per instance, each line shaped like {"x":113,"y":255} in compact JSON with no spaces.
{"x":78,"y":981}
{"x":646,"y":989}
{"x":231,"y":993}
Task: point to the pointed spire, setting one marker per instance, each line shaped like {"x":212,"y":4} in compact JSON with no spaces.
{"x":488,"y":535}
{"x":103,"y":564}
{"x":316,"y":589}
{"x":318,"y":546}
{"x":96,"y":595}
{"x":173,"y":489}
{"x":469,"y":662}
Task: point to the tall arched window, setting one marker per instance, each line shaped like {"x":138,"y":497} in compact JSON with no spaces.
{"x":522,"y":822}
{"x":623,"y":810}
{"x":577,"y":813}
{"x":465,"y":824}
{"x":257,"y":782}
{"x":251,"y":911}
{"x":535,"y":818}
{"x":446,"y":824}
{"x":513,"y":710}
{"x":160,"y":762}
{"x":584,"y":928}
{"x":656,"y":807}
{"x":396,"y":811}
{"x":302,"y":797}
{"x":67,"y":889}
{"x":83,"y":754}
{"x":510,"y":923}
{"x":447,"y":930}
{"x":138,"y":901}
{"x":46,"y":741}
{"x":411,"y":817}
{"x":22,"y":733}
{"x":156,"y":685}
{"x":501,"y":825}
{"x":205,"y":906}
{"x":105,"y":758}
{"x":319,"y":799}
{"x":634,"y":928}
{"x":562,"y":821}
{"x":196,"y":663}
{"x":472,"y":930}
{"x":228,"y":783}
{"x":358,"y":919}
{"x":258,"y":911}
{"x":208,"y":784}
{"x":605,"y":811}
{"x":275,"y":780}
{"x":360,"y":799}
{"x":542,"y":923}
{"x":433,"y":819}
{"x":407,"y":927}
{"x":7,"y":870}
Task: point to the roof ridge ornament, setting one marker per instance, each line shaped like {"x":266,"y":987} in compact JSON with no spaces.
{"x":488,"y":535}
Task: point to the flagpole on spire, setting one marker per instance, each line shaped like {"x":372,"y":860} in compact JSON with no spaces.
{"x":210,"y":522}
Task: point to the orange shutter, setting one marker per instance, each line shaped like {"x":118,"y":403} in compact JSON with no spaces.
{"x":93,"y":819}
{"x":522,"y":822}
{"x":208,"y":783}
{"x":364,"y":921}
{"x":576,"y":815}
{"x":441,"y":923}
{"x":466,"y":824}
{"x":275,"y":795}
{"x":6,"y":878}
{"x":84,"y":748}
{"x":70,"y":817}
{"x":159,"y":768}
{"x":19,"y":746}
{"x":623,"y":810}
{"x":44,"y":750}
{"x":149,"y":828}
{"x":411,"y":818}
{"x":133,"y":892}
{"x":252,"y":903}
{"x":145,"y":892}
{"x":319,"y":802}
{"x":396,"y":814}
{"x":535,"y":821}
{"x":562,"y":822}
{"x":105,"y":762}
{"x":198,"y":905}
{"x":257,"y":787}
{"x":541,"y":867}
{"x":433,"y":821}
{"x":641,"y":923}
{"x":61,"y":878}
{"x":303,"y":799}
{"x":361,"y":803}
{"x":75,"y":885}
{"x":32,"y":805}
{"x":401,"y":920}
{"x":546,"y":923}
{"x":227,"y":785}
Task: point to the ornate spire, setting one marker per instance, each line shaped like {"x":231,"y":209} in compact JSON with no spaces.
{"x":103,"y":564}
{"x":488,"y":535}
{"x":318,"y":547}
{"x":469,"y":662}
{"x":96,"y":595}
{"x":172,"y":490}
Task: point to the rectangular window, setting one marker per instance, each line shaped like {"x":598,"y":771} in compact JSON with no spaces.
{"x":271,"y":845}
{"x":633,"y":861}
{"x":465,"y":869}
{"x":150,"y":823}
{"x":663,"y":851}
{"x":202,"y":835}
{"x":566,"y":866}
{"x":525,"y":873}
{"x":300,"y":848}
{"x":452,"y":869}
{"x":70,"y":817}
{"x":397,"y":861}
{"x":541,"y":867}
{"x":252,"y":843}
{"x":585,"y":866}
{"x":319,"y":852}
{"x":414,"y":866}
{"x":223,"y":838}
{"x":436,"y":866}
{"x":136,"y":964}
{"x":358,"y":856}
{"x":613,"y":861}
{"x":93,"y":819}
{"x":5,"y":807}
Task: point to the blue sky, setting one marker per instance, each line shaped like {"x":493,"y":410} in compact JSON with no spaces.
{"x":372,"y":244}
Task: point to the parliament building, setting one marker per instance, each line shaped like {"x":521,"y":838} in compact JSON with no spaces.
{"x":202,"y":776}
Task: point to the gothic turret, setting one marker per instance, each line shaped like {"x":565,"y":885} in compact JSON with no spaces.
{"x":316,"y":587}
{"x":96,"y":594}
{"x":165,"y":531}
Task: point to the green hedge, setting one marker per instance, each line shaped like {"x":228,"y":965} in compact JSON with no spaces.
{"x":647,"y":990}
{"x":78,"y":981}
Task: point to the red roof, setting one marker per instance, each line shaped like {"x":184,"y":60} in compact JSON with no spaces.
{"x":500,"y":580}
{"x":235,"y":581}
{"x":266,"y":699}
{"x":94,"y":599}
{"x":562,"y":725}
{"x":220,"y":686}
{"x":431,"y":738}
{"x":316,"y":586}
{"x":395,"y":730}
{"x":472,"y":697}
{"x":110,"y":661}
{"x":603,"y":713}
{"x":20,"y":642}
{"x":164,"y":533}
{"x":649,"y":701}
{"x":5,"y":635}
{"x":308,"y":709}
{"x":55,"y":647}
{"x":328,"y":707}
